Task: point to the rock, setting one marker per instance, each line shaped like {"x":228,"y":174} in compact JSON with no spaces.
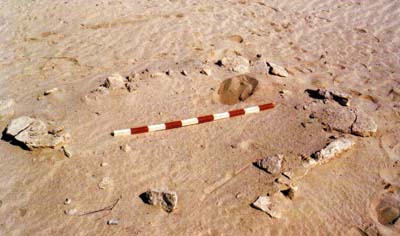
{"x":72,"y":211}
{"x":66,"y":151}
{"x":33,"y":133}
{"x":206,"y":71}
{"x":103,"y":164}
{"x":235,"y":89}
{"x":271,"y":164}
{"x":333,"y":149}
{"x":18,"y":125}
{"x":273,"y":206}
{"x":340,"y":97}
{"x":126,"y":148}
{"x":339,"y":118}
{"x":105,"y":182}
{"x":50,"y":91}
{"x":131,"y":86}
{"x":113,"y":221}
{"x":184,"y":72}
{"x":277,"y":70}
{"x":364,"y":125}
{"x":236,"y":63}
{"x":236,"y":38}
{"x":67,"y":201}
{"x":166,"y":199}
{"x":387,"y":208}
{"x":6,"y":107}
{"x":115,"y":81}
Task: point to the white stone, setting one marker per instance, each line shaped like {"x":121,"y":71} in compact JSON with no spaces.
{"x":115,"y":81}
{"x":72,"y":211}
{"x":364,"y":125}
{"x":105,"y":182}
{"x":206,"y":71}
{"x":50,"y":91}
{"x":19,"y":124}
{"x":334,"y":148}
{"x":271,"y":205}
{"x":277,"y":70}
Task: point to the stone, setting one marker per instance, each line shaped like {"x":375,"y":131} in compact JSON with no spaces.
{"x":338,"y":118}
{"x":271,"y":164}
{"x":33,"y":133}
{"x":364,"y":125}
{"x":340,"y":97}
{"x":115,"y":81}
{"x":105,"y":182}
{"x":387,"y":208}
{"x":50,"y":91}
{"x":18,"y":125}
{"x":236,"y":63}
{"x":67,"y":201}
{"x":273,"y":206}
{"x":277,"y":70}
{"x":126,"y":148}
{"x":184,"y":72}
{"x":206,"y":71}
{"x":168,"y":200}
{"x":6,"y":107}
{"x":113,"y":221}
{"x":66,"y":151}
{"x":334,"y":149}
{"x":391,"y":176}
{"x":72,"y":211}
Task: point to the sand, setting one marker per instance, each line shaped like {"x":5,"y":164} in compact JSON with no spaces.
{"x":353,"y":46}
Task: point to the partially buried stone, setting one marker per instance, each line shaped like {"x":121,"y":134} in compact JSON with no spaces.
{"x":364,"y":125}
{"x":166,"y":199}
{"x":115,"y":81}
{"x":333,"y":149}
{"x":113,"y":221}
{"x":271,"y":164}
{"x":273,"y":205}
{"x":277,"y":70}
{"x":34,"y":133}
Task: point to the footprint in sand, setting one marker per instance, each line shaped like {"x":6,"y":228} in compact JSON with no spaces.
{"x":235,"y":89}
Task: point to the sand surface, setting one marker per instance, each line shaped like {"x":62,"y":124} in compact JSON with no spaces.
{"x":74,"y":45}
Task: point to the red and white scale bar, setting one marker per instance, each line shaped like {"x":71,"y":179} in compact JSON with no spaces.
{"x":193,"y":121}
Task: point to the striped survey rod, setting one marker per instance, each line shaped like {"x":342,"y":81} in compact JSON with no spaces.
{"x":194,"y":121}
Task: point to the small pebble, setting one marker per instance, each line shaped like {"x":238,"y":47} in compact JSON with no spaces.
{"x":67,"y":152}
{"x":184,"y":72}
{"x":126,"y":148}
{"x":205,"y":71}
{"x":50,"y":91}
{"x":113,"y":221}
{"x":67,"y":201}
{"x":103,"y":164}
{"x":72,"y":211}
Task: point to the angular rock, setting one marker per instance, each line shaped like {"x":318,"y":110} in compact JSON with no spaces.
{"x":271,"y":164}
{"x":273,"y":206}
{"x":340,"y":97}
{"x":206,"y":71}
{"x":34,"y":133}
{"x":391,"y":176}
{"x":6,"y":107}
{"x":115,"y":81}
{"x":364,"y":125}
{"x":105,"y":182}
{"x":333,"y":149}
{"x":18,"y":125}
{"x":113,"y":221}
{"x":72,"y":211}
{"x":50,"y":91}
{"x":236,"y":63}
{"x":387,"y":208}
{"x":166,"y":199}
{"x":340,"y":118}
{"x":66,"y":151}
{"x":277,"y":70}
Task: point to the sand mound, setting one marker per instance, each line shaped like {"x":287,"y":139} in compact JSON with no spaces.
{"x":236,"y":89}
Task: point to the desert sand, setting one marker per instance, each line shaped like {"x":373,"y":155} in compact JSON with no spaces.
{"x":173,"y":56}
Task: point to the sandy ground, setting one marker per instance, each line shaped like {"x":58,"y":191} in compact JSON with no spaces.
{"x":353,"y":46}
